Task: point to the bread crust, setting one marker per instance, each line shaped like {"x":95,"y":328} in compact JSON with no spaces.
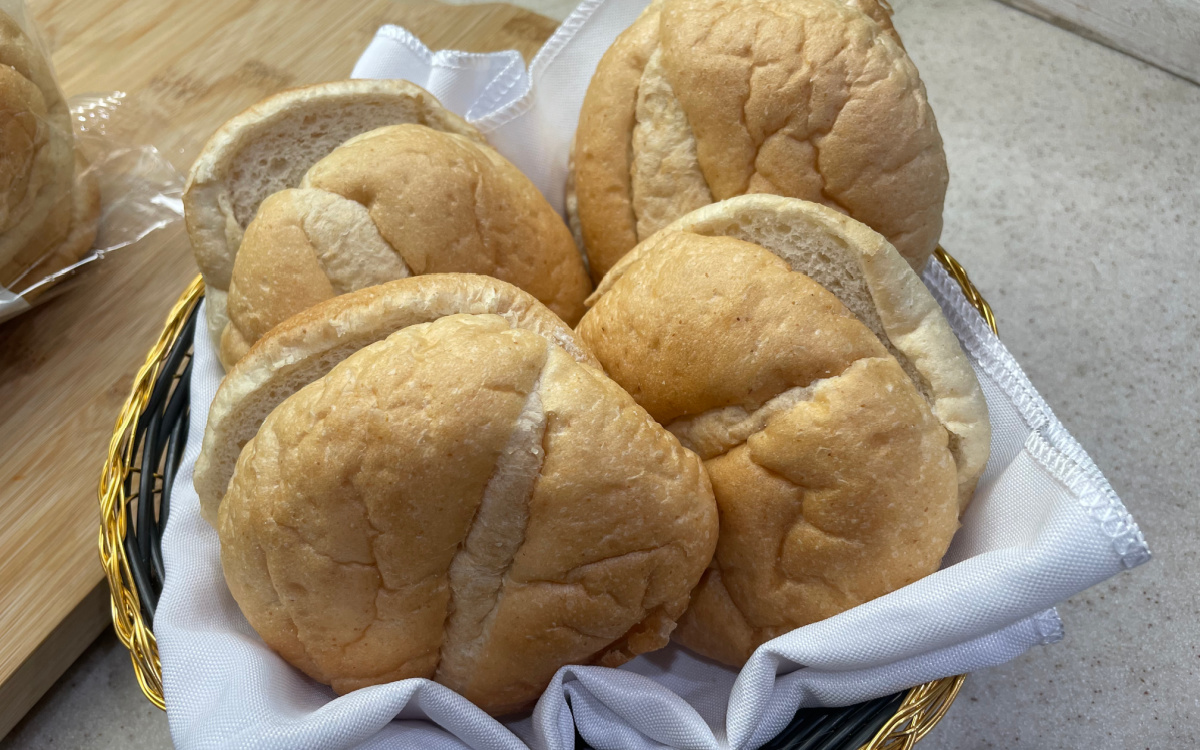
{"x":310,"y":343}
{"x":84,"y":223}
{"x":841,"y":424}
{"x":867,"y":275}
{"x":48,"y":201}
{"x":221,"y":195}
{"x":815,"y":100}
{"x":399,"y":201}
{"x":464,"y":496}
{"x":602,"y":151}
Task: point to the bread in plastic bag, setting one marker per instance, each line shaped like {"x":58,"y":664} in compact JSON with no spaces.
{"x":72,"y":186}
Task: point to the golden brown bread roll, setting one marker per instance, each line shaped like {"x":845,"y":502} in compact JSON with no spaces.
{"x":703,"y":100}
{"x":270,"y":146}
{"x":49,"y":203}
{"x":843,"y":429}
{"x":399,"y":201}
{"x":438,"y":482}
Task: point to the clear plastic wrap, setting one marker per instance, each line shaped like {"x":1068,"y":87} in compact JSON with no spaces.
{"x":78,"y":179}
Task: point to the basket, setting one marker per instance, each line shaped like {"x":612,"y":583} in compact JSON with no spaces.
{"x":135,"y":500}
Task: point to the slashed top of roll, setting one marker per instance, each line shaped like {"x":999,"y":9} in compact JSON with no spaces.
{"x":398,"y":201}
{"x":311,"y":343}
{"x":703,"y":100}
{"x":271,"y":145}
{"x":870,"y":278}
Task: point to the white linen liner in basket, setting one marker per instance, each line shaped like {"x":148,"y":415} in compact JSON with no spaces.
{"x":1044,"y":525}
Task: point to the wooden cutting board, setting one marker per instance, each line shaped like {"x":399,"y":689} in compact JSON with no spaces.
{"x":66,"y":366}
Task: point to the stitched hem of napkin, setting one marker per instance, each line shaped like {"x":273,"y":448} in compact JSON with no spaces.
{"x":1049,"y":443}
{"x":1049,"y":626}
{"x":495,"y":92}
{"x":1114,"y":520}
{"x":451,"y":59}
{"x":562,"y":36}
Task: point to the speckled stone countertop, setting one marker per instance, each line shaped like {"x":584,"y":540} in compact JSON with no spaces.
{"x":1075,"y":204}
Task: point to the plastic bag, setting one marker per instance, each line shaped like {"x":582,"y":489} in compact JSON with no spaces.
{"x":77,"y":179}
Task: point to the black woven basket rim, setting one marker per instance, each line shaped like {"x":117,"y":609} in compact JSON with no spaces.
{"x":161,"y":433}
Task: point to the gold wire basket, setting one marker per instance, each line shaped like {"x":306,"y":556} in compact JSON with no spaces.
{"x":145,"y":450}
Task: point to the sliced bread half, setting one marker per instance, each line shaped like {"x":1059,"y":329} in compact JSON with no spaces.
{"x":270,"y":146}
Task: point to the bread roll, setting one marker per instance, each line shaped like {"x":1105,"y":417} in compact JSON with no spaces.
{"x":841,"y":424}
{"x":439,"y":483}
{"x":270,"y":146}
{"x":79,"y":239}
{"x":703,"y":100}
{"x":399,"y":201}
{"x":48,"y":201}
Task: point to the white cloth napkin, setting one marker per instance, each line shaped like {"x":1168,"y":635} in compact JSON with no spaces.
{"x":1044,"y":525}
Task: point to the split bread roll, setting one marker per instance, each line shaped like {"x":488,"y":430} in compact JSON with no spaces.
{"x":840,"y":422}
{"x":434,"y":479}
{"x":270,"y":147}
{"x":703,"y":100}
{"x":49,"y":203}
{"x":399,"y":201}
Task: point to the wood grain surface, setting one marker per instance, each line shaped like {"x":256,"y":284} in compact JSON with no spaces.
{"x":66,"y":366}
